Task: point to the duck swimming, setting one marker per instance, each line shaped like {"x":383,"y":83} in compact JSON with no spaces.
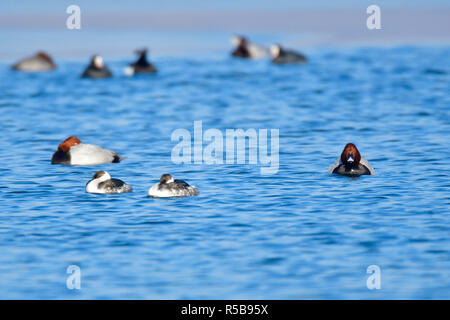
{"x":168,"y":187}
{"x":141,"y":65}
{"x":102,"y":182}
{"x":96,"y":69}
{"x":73,"y":152}
{"x":247,"y":49}
{"x":351,"y":164}
{"x":41,"y":61}
{"x":280,"y":55}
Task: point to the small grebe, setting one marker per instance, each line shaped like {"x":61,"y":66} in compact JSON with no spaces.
{"x":168,"y":187}
{"x":103,"y":183}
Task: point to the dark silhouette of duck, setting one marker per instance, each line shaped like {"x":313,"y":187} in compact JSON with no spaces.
{"x":141,"y":66}
{"x":246,"y":49}
{"x":241,"y":50}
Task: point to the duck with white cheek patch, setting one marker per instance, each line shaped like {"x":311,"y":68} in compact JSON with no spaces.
{"x":96,"y":69}
{"x":103,"y":183}
{"x":168,"y":187}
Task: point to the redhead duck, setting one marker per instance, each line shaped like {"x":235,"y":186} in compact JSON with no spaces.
{"x":247,"y":49}
{"x":280,"y":55}
{"x":102,"y":182}
{"x":351,"y":163}
{"x":41,"y":61}
{"x":71,"y":151}
{"x":96,"y":69}
{"x":168,"y":187}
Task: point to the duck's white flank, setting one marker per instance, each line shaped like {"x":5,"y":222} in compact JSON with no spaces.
{"x":88,"y":154}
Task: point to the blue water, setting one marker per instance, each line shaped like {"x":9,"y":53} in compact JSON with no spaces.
{"x":298,"y":234}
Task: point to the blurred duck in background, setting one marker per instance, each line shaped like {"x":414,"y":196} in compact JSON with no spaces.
{"x":96,"y":69}
{"x":141,"y":65}
{"x":281,"y":55}
{"x":41,"y":61}
{"x":247,"y":49}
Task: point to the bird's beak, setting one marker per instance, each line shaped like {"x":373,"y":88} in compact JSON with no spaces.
{"x":350,"y":159}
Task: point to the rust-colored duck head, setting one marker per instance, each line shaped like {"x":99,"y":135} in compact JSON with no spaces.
{"x":68,"y":143}
{"x":350,"y":156}
{"x":44,"y":56}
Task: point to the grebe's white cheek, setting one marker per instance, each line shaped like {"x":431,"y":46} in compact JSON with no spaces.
{"x":235,"y":40}
{"x":275,"y":51}
{"x":98,"y":61}
{"x":104,"y":177}
{"x":171,"y":180}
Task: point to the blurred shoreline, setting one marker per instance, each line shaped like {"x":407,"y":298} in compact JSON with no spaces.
{"x":174,"y":32}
